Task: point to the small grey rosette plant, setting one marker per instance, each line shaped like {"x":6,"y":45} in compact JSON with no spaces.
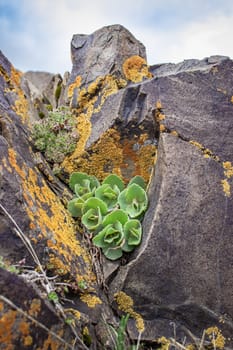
{"x":110,"y":212}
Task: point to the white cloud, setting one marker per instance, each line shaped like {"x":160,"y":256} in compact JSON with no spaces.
{"x":171,"y":31}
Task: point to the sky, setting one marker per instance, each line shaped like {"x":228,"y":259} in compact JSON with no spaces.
{"x":36,"y":34}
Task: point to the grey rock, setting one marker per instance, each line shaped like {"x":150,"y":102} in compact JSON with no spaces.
{"x":103,"y":52}
{"x":181,"y":272}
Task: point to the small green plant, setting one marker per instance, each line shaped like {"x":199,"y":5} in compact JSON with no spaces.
{"x":110,"y":212}
{"x":119,"y":334}
{"x":8,"y":267}
{"x":56,"y":135}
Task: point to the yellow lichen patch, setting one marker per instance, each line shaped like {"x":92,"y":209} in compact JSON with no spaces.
{"x":232,"y":99}
{"x":49,"y":217}
{"x":162,"y":128}
{"x":91,"y":300}
{"x":21,"y":105}
{"x":164,"y":343}
{"x":13,"y":162}
{"x":104,"y":157}
{"x":158,"y":104}
{"x":174,"y":133}
{"x":207,"y":153}
{"x":226,"y":187}
{"x":28,"y":340}
{"x":228,"y":169}
{"x":216,"y":337}
{"x":75,"y":84}
{"x":125,"y":304}
{"x":160,"y":117}
{"x":74,"y":312}
{"x":136,"y":69}
{"x":89,"y":102}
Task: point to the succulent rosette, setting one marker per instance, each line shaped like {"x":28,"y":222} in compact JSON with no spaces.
{"x":111,"y":237}
{"x":93,"y":211}
{"x":82,"y":183}
{"x":133,"y":200}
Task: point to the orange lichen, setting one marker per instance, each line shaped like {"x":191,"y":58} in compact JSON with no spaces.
{"x":174,"y":133}
{"x":13,"y":162}
{"x":91,"y":300}
{"x":75,"y":84}
{"x":49,"y":217}
{"x":232,"y":99}
{"x":162,"y":128}
{"x":21,"y":104}
{"x":160,"y":117}
{"x":28,"y":340}
{"x":7,"y":322}
{"x":136,"y":69}
{"x":125,"y":304}
{"x":158,"y":104}
{"x":89,"y":102}
{"x":104,"y":157}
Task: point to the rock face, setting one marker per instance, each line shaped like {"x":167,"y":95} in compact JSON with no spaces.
{"x":173,"y":125}
{"x":103,"y":52}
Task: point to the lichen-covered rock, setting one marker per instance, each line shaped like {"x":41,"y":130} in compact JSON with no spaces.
{"x":103,"y":52}
{"x":106,"y":65}
{"x":181,"y":274}
{"x":32,"y":201}
{"x":27,"y":321}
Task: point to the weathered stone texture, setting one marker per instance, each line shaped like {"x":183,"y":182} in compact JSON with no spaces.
{"x":130,"y":115}
{"x":103,"y":52}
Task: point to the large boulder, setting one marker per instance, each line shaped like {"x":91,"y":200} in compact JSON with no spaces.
{"x":181,"y":274}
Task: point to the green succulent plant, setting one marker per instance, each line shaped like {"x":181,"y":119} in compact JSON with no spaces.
{"x":81,"y":183}
{"x":133,"y":200}
{"x":110,"y":211}
{"x":93,"y":211}
{"x":110,"y":190}
{"x":111,"y":237}
{"x":133,"y":235}
{"x":139,"y":181}
{"x":75,"y":205}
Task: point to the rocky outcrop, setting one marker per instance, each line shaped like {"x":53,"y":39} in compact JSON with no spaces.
{"x":44,"y":91}
{"x":180,"y":274}
{"x":172,"y":124}
{"x":36,"y":229}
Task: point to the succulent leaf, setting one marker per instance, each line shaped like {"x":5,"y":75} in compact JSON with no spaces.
{"x":82,"y":183}
{"x":114,"y":180}
{"x":114,"y":216}
{"x":133,"y":200}
{"x":75,"y":206}
{"x":92,"y":219}
{"x":108,"y":194}
{"x":112,"y":253}
{"x":139,"y":181}
{"x":133,"y":235}
{"x":93,"y":203}
{"x":111,"y":235}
